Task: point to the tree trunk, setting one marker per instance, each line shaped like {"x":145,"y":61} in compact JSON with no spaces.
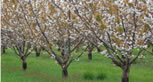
{"x":64,"y":72}
{"x":125,"y":76}
{"x":3,"y":48}
{"x":37,"y":54}
{"x":24,"y":63}
{"x":90,"y":56}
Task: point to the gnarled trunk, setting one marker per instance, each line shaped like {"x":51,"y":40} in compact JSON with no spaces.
{"x":90,"y":56}
{"x":24,"y":63}
{"x":64,"y":72}
{"x":125,"y":75}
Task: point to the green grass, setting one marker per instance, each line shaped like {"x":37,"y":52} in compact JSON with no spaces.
{"x":44,"y":69}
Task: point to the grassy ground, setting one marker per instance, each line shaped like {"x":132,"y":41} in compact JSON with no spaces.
{"x":45,"y":69}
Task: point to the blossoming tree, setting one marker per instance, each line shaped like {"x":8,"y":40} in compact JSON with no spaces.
{"x":125,"y":27}
{"x":18,"y":22}
{"x":48,"y":16}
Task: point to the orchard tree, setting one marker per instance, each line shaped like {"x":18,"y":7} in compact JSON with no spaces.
{"x":5,"y":42}
{"x":125,"y":27}
{"x":92,"y":42}
{"x":90,"y":49}
{"x":18,"y":21}
{"x":58,"y":28}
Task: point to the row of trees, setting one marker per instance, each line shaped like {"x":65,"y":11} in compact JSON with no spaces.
{"x":120,"y":26}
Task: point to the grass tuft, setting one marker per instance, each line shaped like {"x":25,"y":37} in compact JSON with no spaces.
{"x":88,"y":76}
{"x":101,"y":76}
